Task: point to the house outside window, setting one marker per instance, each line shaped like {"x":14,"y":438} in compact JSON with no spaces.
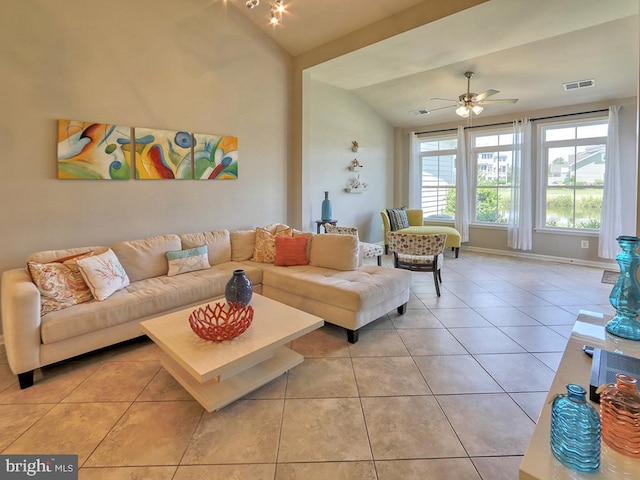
{"x":438,"y":172}
{"x":492,"y":159}
{"x":571,"y":177}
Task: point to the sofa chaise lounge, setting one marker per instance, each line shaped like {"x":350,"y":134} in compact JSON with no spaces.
{"x":330,"y":286}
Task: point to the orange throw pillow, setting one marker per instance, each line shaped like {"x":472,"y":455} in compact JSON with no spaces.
{"x":291,"y":251}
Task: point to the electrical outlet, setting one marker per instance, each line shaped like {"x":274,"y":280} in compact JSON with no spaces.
{"x":584,"y":243}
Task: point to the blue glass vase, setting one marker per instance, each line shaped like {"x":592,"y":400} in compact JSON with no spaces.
{"x":239,"y":289}
{"x":575,"y":431}
{"x":326,"y":208}
{"x":625,"y":296}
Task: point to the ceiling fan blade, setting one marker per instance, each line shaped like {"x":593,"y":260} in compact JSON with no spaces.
{"x":498,"y":100}
{"x":444,"y":99}
{"x":481,"y":96}
{"x":425,"y":111}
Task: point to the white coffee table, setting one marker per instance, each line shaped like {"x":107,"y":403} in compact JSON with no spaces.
{"x":217,"y":373}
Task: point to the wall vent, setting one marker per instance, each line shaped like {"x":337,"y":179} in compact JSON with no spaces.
{"x":579,"y":84}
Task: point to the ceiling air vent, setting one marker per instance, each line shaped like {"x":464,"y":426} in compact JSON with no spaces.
{"x":579,"y":84}
{"x":422,"y":111}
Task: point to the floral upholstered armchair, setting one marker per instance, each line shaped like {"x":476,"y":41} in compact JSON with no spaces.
{"x":419,"y":252}
{"x":367,"y":250}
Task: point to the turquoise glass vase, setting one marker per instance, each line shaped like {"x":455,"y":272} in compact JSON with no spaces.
{"x":575,"y":431}
{"x":326,"y":208}
{"x":625,"y":295}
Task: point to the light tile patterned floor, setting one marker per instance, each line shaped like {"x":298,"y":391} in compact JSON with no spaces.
{"x":451,"y":390}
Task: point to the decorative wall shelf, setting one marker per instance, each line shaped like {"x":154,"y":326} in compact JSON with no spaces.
{"x":356,"y":189}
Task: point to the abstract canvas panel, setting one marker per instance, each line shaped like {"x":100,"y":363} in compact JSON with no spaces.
{"x":93,"y":151}
{"x":215,"y":157}
{"x":163,"y":154}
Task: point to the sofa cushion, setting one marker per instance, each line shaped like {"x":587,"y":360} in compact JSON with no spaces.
{"x":218,"y":243}
{"x":265,"y":246}
{"x":398,"y":218}
{"x":242,"y":245}
{"x":103,"y":273}
{"x":146,"y":258}
{"x":291,"y":251}
{"x":63,"y":254}
{"x":143,"y":299}
{"x":60,"y":283}
{"x":339,"y":252}
{"x":189,"y":260}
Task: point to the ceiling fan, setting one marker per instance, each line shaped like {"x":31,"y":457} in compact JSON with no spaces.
{"x":468,"y":102}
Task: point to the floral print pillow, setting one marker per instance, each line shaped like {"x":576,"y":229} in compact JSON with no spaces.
{"x":265,"y":246}
{"x":60,"y":283}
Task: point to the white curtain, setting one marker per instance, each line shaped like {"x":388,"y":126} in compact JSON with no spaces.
{"x":520,"y":231}
{"x":415,"y":172}
{"x":611,"y":218}
{"x":462,"y":188}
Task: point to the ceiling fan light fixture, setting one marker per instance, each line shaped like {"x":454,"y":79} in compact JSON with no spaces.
{"x":477,"y":109}
{"x":463,"y":111}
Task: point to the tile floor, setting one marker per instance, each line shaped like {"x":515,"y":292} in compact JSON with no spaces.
{"x":451,"y":390}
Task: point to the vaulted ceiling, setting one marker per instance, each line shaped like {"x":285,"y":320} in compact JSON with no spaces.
{"x":525,"y":49}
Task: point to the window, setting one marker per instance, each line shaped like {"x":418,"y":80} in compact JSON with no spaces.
{"x":573,"y":160}
{"x":438,"y":170}
{"x":492,"y":157}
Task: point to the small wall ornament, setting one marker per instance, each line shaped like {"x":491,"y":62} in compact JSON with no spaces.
{"x":355,"y":166}
{"x":354,"y":146}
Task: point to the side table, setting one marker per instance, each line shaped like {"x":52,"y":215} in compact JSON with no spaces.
{"x":322,"y":222}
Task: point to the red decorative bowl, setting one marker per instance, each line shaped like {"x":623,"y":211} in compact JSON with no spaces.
{"x":222,"y":322}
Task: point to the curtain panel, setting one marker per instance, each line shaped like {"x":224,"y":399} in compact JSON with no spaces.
{"x":520,"y":226}
{"x":611,"y":217}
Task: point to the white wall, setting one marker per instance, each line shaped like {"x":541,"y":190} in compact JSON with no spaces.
{"x":192,"y":65}
{"x":333,"y":119}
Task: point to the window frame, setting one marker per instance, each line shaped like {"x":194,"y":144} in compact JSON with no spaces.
{"x":473,"y":153}
{"x":449,"y":136}
{"x":543,"y":164}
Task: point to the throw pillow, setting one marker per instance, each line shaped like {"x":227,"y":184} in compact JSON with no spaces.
{"x":60,"y":283}
{"x":189,"y":260}
{"x":338,"y":252}
{"x":397,"y":218}
{"x":291,"y":251}
{"x":104,"y":274}
{"x":265,"y":247}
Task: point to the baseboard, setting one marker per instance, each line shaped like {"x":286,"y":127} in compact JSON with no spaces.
{"x":536,"y":256}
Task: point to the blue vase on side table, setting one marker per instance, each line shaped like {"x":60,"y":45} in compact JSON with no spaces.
{"x":326,"y":208}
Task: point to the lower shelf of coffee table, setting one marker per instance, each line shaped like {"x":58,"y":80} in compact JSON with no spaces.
{"x":214,"y":394}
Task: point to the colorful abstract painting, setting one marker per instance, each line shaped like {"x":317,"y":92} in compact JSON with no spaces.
{"x":93,"y":151}
{"x":163,"y":154}
{"x":215,"y":157}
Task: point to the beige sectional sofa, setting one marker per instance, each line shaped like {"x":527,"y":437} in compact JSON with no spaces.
{"x":331,"y":286}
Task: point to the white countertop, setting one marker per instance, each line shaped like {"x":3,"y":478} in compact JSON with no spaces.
{"x":575,"y":367}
